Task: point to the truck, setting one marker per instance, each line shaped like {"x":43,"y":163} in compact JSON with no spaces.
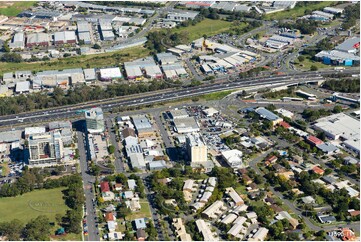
{"x":339,"y":68}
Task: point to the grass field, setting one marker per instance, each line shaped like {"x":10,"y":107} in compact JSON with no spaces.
{"x":15,"y":8}
{"x":5,"y":169}
{"x":307,"y":63}
{"x":30,"y":205}
{"x":207,"y":26}
{"x":84,"y":61}
{"x":297,"y":11}
{"x":144,"y":211}
{"x":215,"y":95}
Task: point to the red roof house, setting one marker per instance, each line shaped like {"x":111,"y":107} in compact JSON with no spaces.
{"x":314,"y":140}
{"x":285,"y":125}
{"x":104,"y":186}
{"x":109,"y":217}
{"x":318,"y":170}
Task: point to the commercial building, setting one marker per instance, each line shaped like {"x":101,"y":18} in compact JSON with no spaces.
{"x":18,"y":41}
{"x":285,"y":113}
{"x":135,"y":69}
{"x":205,"y":230}
{"x":37,"y":39}
{"x":181,"y":16}
{"x":350,"y":45}
{"x":233,"y":158}
{"x":270,"y":116}
{"x":142,"y":125}
{"x":59,"y":78}
{"x":45,"y":149}
{"x":186,"y":125}
{"x":343,"y":127}
{"x":137,"y":161}
{"x":108,"y":74}
{"x":22,"y":87}
{"x":64,"y":37}
{"x":94,"y":119}
{"x":84,"y":30}
{"x":197,"y":150}
{"x":89,"y":74}
{"x":178,"y":114}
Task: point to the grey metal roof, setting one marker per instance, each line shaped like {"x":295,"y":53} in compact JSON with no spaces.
{"x":266,"y":114}
{"x":337,"y":55}
{"x":83,"y":26}
{"x":64,"y":36}
{"x":348,"y":44}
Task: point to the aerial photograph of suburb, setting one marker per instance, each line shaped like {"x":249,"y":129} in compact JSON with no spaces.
{"x":189,"y":121}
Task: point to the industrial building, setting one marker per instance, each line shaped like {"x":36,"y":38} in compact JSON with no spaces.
{"x":178,"y":114}
{"x":335,"y":57}
{"x":18,"y":41}
{"x":94,"y":119}
{"x":22,"y":87}
{"x":181,"y":16}
{"x":108,"y":74}
{"x":64,"y":37}
{"x":106,"y":30}
{"x":135,"y":69}
{"x":143,"y":126}
{"x":89,"y":74}
{"x":196,"y":149}
{"x":84,"y":30}
{"x":266,"y":114}
{"x":186,"y":125}
{"x":341,"y":127}
{"x":55,"y":78}
{"x":350,"y":45}
{"x":37,"y":39}
{"x":45,"y":149}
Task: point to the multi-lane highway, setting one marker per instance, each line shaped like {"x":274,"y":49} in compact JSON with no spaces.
{"x":165,"y":95}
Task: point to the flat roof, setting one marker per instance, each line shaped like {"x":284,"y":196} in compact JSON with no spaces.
{"x":113,"y":72}
{"x":348,"y":44}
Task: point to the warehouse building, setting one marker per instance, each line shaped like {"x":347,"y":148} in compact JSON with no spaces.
{"x":59,"y":78}
{"x":340,"y":58}
{"x":135,"y":69}
{"x":37,"y":39}
{"x":341,"y":127}
{"x":18,"y":41}
{"x":233,"y":158}
{"x":333,"y":10}
{"x":22,"y":87}
{"x":186,"y":125}
{"x":266,"y":114}
{"x":108,"y":74}
{"x":181,"y":16}
{"x":83,"y":29}
{"x":64,"y":37}
{"x":89,"y":75}
{"x":350,"y":45}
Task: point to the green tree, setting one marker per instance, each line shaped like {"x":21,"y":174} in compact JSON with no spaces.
{"x":111,"y":149}
{"x":37,"y":229}
{"x":314,"y":68}
{"x":12,"y":229}
{"x":301,"y":58}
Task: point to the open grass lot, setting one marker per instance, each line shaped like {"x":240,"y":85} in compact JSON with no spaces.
{"x":207,"y":26}
{"x":144,"y":211}
{"x":30,"y":205}
{"x":84,"y":61}
{"x":298,"y":11}
{"x":307,"y":63}
{"x":215,"y":95}
{"x":14,"y":8}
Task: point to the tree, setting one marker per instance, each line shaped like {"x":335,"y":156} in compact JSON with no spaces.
{"x":58,"y":218}
{"x":337,"y":109}
{"x":37,"y":229}
{"x":314,"y":68}
{"x":301,"y":58}
{"x":111,"y":149}
{"x":11,"y":57}
{"x":97,"y":46}
{"x":73,"y":218}
{"x":12,"y":229}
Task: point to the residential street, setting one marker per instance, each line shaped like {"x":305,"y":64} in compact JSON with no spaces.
{"x":119,"y":165}
{"x":88,"y":182}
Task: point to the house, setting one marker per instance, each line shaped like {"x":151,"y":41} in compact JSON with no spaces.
{"x":107,"y":195}
{"x":140,"y":223}
{"x":118,"y":186}
{"x":141,"y":235}
{"x":326,"y":219}
{"x":348,"y":235}
{"x":109,"y":217}
{"x":308,"y":200}
{"x":128,"y":132}
{"x":314,"y":140}
{"x":128,"y":195}
{"x":132,"y":184}
{"x":112,"y":225}
{"x":353,"y":212}
{"x":133,"y":204}
{"x":104,"y":187}
{"x":271,"y":160}
{"x":284,"y":125}
{"x":287,"y":216}
{"x":318,"y":170}
{"x":115,"y":236}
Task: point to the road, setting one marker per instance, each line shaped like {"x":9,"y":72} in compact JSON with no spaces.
{"x":68,"y":112}
{"x":88,"y":182}
{"x":119,"y":165}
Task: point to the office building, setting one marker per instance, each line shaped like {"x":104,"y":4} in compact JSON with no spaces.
{"x":197,"y":150}
{"x":94,"y":120}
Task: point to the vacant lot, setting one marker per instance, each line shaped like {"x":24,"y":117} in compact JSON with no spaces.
{"x":30,"y":205}
{"x":298,"y":11}
{"x":144,"y":211}
{"x":14,"y":8}
{"x":207,"y":27}
{"x":87,"y":61}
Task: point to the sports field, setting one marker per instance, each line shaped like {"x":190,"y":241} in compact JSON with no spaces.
{"x":30,"y":205}
{"x":207,"y":27}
